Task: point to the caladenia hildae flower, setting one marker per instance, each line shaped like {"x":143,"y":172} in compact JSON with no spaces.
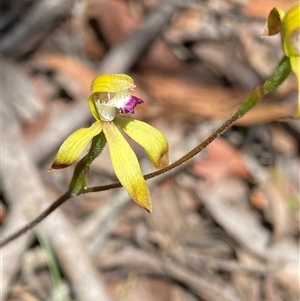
{"x":110,"y":98}
{"x":288,"y":25}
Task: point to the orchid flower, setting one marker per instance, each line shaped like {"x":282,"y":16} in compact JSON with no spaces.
{"x":110,"y":97}
{"x":288,"y":24}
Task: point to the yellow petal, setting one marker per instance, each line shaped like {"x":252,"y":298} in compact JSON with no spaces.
{"x":112,"y":83}
{"x":126,"y":166}
{"x":291,"y":31}
{"x":291,"y":42}
{"x":74,"y":145}
{"x":151,"y":139}
{"x":295,"y":63}
{"x":93,"y":107}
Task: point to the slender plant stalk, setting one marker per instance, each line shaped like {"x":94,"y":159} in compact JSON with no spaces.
{"x":280,"y":74}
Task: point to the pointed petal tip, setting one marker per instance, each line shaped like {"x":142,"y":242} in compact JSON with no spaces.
{"x":148,"y":207}
{"x":163,"y":160}
{"x":58,"y":166}
{"x":145,"y":205}
{"x":140,"y":195}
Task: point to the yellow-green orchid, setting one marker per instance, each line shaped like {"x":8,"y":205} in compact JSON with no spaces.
{"x":289,"y":26}
{"x":110,"y":96}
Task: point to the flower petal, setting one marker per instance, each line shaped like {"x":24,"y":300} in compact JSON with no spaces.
{"x":112,"y":83}
{"x":151,"y":139}
{"x":74,"y":145}
{"x":129,"y":105}
{"x":291,"y":31}
{"x":126,"y":166}
{"x":291,"y":43}
{"x":295,"y":63}
{"x":93,"y":107}
{"x":125,"y":102}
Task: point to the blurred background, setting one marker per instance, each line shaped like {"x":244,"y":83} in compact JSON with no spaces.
{"x":225,"y":225}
